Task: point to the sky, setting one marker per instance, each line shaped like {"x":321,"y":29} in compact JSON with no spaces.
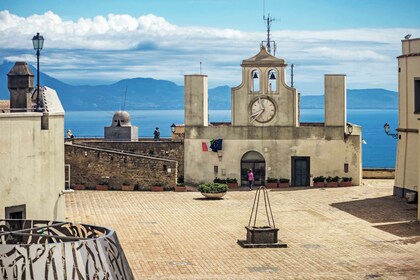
{"x":104,"y":41}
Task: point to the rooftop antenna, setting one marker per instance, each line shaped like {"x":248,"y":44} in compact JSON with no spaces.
{"x":292,"y":75}
{"x":124,"y":98}
{"x":268,"y":20}
{"x":200,"y":67}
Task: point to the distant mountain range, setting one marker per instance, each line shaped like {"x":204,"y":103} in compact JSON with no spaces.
{"x":151,"y":94}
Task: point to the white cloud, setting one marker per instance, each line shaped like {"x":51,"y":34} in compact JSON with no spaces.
{"x":122,"y":46}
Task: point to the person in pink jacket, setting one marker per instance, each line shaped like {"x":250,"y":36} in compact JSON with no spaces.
{"x":250,"y":179}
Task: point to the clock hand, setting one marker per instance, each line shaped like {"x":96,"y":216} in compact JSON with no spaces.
{"x":258,"y":114}
{"x":261,"y":105}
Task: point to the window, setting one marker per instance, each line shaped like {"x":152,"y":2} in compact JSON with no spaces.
{"x":417,"y":96}
{"x":255,"y":80}
{"x":16,"y":212}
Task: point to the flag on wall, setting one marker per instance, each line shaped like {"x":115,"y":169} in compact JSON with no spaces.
{"x":216,"y":145}
{"x":204,"y":147}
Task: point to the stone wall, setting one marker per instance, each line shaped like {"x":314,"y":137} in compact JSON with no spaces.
{"x":167,"y":149}
{"x":92,"y":165}
{"x":378,"y":173}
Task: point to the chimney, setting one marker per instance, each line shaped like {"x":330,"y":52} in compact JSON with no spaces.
{"x":21,"y":84}
{"x":335,"y":100}
{"x":196,"y":100}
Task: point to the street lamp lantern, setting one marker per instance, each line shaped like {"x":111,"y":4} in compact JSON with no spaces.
{"x":173,"y":127}
{"x":387,"y":128}
{"x":38,"y":43}
{"x":349,"y":128}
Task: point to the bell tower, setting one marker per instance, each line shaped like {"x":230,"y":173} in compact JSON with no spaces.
{"x":263,"y":98}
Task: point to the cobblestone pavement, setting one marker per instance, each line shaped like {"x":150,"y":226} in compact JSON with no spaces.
{"x":336,"y":233}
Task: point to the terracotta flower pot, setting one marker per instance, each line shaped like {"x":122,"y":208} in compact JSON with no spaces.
{"x":101,"y":187}
{"x":232,"y":185}
{"x":78,"y":187}
{"x":283,"y":185}
{"x":127,"y":188}
{"x":319,"y":184}
{"x":157,"y":188}
{"x":180,"y":188}
{"x":345,"y":184}
{"x":332,"y":184}
{"x":272,"y":185}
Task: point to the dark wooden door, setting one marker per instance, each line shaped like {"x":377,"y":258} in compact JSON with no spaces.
{"x":300,"y":171}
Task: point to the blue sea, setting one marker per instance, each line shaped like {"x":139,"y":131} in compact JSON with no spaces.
{"x":378,"y":152}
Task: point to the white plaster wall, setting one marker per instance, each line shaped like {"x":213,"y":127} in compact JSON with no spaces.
{"x":327,"y":156}
{"x":32,"y":165}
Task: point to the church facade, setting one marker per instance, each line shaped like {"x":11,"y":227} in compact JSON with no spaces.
{"x":265,"y":133}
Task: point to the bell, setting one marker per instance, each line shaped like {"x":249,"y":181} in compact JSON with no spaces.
{"x":255,"y":75}
{"x":272,"y":76}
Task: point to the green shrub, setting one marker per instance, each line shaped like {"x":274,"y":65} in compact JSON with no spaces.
{"x":271,"y":180}
{"x":336,"y":179}
{"x":158,"y":184}
{"x":219,"y":181}
{"x":318,"y":179}
{"x":284,"y":180}
{"x":347,"y":179}
{"x":329,"y":179}
{"x":212,"y":188}
{"x":231,"y":180}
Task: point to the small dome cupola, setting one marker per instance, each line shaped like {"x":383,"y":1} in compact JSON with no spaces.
{"x":121,"y":118}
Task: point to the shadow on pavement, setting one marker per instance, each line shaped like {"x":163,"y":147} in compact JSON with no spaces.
{"x":397,"y":216}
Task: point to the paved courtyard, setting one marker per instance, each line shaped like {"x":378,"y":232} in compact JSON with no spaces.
{"x":333,"y":233}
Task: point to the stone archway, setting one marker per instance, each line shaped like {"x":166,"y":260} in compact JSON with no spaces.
{"x":255,"y":161}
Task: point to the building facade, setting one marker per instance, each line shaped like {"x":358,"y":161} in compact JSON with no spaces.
{"x":407,"y":167}
{"x":31,"y":151}
{"x":265,"y":134}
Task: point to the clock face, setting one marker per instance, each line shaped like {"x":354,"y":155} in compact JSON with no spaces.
{"x":262,"y":110}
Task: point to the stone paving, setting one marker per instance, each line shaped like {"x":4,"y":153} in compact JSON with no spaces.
{"x":331,"y":233}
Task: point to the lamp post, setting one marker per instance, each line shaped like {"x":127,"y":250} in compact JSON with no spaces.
{"x":38,"y":43}
{"x":387,"y":128}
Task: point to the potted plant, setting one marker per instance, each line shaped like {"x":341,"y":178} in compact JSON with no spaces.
{"x":78,"y":186}
{"x":126,"y":186}
{"x":232,"y":183}
{"x":102,"y":186}
{"x":219,"y":181}
{"x":157,"y":187}
{"x":319,"y":182}
{"x":271,"y":183}
{"x":345,"y":182}
{"x":332,"y":181}
{"x":213,"y":190}
{"x":180,"y":185}
{"x":283,"y":183}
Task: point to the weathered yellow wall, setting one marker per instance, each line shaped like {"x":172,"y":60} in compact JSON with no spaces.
{"x":32,"y":165}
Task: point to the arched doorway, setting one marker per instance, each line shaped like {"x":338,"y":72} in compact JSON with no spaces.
{"x":255,"y":161}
